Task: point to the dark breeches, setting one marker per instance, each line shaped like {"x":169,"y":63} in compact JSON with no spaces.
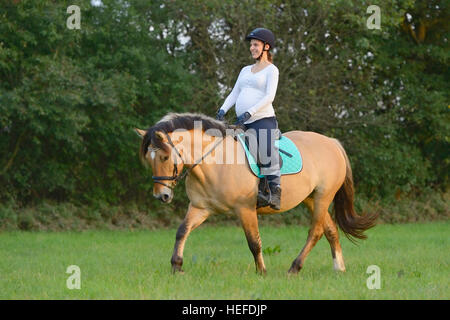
{"x":265,"y":131}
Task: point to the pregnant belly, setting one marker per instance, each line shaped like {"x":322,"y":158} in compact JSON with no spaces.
{"x":248,"y":97}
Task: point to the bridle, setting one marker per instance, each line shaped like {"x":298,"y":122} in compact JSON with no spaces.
{"x":175,"y":177}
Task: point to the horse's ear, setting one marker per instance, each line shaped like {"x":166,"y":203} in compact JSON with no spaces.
{"x":161,"y":136}
{"x":140,"y":133}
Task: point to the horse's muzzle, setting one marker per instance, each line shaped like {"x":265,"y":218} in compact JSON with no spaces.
{"x":165,"y":196}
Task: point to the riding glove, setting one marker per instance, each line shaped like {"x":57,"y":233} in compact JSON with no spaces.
{"x":242,"y":118}
{"x":220,"y":115}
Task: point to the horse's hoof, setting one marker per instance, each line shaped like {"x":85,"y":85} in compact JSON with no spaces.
{"x":262,"y":272}
{"x":293,"y":271}
{"x":176,"y":268}
{"x":177,"y":271}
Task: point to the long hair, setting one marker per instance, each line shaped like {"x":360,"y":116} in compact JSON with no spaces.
{"x":269,"y":56}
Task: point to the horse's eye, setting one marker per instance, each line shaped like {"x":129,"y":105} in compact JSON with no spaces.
{"x":165,"y":158}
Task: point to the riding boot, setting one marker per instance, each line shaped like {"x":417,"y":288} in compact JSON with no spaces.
{"x":275,"y":196}
{"x":263,"y":193}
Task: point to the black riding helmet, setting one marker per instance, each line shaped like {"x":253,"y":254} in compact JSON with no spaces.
{"x":263,"y":34}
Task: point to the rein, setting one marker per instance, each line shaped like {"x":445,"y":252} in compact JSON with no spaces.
{"x":175,"y":176}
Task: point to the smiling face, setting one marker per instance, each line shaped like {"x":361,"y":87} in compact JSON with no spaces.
{"x":256,"y":47}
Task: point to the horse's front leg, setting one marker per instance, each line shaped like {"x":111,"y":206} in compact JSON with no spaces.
{"x":249,"y":220}
{"x":194,"y":217}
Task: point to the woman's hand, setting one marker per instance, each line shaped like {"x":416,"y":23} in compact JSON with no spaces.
{"x":242,"y":118}
{"x":220,"y":115}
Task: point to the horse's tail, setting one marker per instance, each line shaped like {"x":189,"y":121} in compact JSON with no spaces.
{"x":352,"y":224}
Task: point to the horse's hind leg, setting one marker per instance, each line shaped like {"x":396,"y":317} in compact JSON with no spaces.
{"x":249,"y":220}
{"x":332,"y":235}
{"x":194,"y":217}
{"x":319,"y":208}
{"x":314,"y":235}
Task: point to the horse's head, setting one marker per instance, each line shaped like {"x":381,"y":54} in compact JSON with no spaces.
{"x":158,"y":150}
{"x":168,"y":146}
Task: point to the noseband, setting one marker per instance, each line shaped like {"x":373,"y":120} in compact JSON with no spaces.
{"x":175,"y":177}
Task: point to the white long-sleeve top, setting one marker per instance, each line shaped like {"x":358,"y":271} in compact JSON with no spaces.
{"x":254,"y":93}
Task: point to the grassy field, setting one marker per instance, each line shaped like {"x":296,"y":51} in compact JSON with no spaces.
{"x":413,"y":258}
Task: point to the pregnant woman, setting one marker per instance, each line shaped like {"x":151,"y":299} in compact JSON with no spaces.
{"x":252,"y":96}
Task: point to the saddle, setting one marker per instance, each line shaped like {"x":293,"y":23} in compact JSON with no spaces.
{"x":290,"y":158}
{"x":290,"y":163}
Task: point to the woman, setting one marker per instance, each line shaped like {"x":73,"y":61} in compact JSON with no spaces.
{"x":253,"y":94}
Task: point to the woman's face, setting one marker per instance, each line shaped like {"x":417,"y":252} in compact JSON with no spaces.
{"x":256,"y":47}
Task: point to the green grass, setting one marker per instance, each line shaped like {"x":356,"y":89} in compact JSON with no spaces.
{"x":413,"y":258}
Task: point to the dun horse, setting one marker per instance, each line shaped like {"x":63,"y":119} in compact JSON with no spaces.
{"x":214,"y":187}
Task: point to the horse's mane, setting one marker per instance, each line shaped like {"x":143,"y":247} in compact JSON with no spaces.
{"x":173,"y":121}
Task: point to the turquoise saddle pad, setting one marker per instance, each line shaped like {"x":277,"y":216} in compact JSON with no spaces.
{"x":292,"y":159}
